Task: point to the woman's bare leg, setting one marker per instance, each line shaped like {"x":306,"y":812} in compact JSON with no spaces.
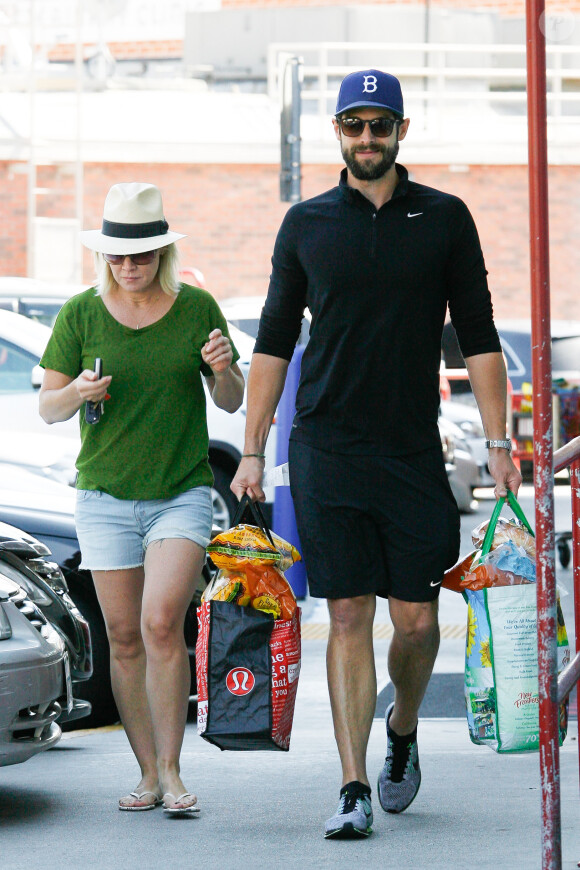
{"x":120,"y":594}
{"x":172,"y":568}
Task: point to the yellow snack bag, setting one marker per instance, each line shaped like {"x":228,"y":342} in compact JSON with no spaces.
{"x":251,"y":543}
{"x":243,"y":542}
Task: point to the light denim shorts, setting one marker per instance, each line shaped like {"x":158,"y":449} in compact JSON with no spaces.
{"x":114,"y":533}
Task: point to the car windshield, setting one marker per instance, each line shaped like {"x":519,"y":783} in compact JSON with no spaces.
{"x":517,"y":349}
{"x":44,"y":311}
{"x":518,"y":352}
{"x":15,"y":368}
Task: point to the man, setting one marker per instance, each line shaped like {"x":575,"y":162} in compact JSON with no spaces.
{"x":377,"y":260}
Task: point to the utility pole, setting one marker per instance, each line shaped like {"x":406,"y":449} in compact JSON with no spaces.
{"x":290,"y":160}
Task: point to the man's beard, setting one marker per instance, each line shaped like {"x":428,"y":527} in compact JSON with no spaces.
{"x":368,"y":171}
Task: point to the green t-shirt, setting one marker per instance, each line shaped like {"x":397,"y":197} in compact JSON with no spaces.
{"x":151,"y":441}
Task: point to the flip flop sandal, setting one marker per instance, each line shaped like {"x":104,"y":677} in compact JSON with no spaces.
{"x":179,"y":811}
{"x":139,"y":797}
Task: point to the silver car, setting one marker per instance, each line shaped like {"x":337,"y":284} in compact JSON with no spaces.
{"x":470,"y":436}
{"x":34,"y":672}
{"x":462,"y":469}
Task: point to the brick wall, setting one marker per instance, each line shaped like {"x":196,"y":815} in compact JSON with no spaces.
{"x":162,"y":49}
{"x":231,"y":215}
{"x":13,"y":217}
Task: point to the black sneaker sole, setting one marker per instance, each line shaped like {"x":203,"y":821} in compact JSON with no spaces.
{"x":347,"y":832}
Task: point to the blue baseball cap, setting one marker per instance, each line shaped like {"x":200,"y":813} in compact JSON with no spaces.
{"x":371,"y":87}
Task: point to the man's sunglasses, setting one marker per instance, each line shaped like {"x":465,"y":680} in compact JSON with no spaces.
{"x":142,"y":259}
{"x":379,"y":127}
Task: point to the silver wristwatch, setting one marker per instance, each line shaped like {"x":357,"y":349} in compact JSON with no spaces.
{"x":506,"y":444}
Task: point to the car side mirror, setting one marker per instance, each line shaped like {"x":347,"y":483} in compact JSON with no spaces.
{"x":36,"y":377}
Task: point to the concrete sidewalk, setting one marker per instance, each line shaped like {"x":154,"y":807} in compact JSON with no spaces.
{"x":265,"y":810}
{"x":475,"y":809}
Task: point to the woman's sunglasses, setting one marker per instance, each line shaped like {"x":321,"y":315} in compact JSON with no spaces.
{"x":142,"y":259}
{"x":379,"y":127}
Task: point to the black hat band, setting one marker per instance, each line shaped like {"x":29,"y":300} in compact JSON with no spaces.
{"x":135,"y":231}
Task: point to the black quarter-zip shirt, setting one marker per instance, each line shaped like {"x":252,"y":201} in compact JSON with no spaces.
{"x":378,"y":284}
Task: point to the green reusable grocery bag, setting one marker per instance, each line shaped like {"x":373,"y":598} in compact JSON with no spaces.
{"x":501,"y":659}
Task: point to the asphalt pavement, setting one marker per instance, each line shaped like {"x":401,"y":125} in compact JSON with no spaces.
{"x":475,"y":808}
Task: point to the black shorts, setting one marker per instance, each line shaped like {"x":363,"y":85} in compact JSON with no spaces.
{"x":387,"y":525}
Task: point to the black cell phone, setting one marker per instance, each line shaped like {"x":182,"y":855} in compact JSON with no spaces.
{"x":93,"y":410}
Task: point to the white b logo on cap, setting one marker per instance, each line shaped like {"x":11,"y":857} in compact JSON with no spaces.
{"x":370,"y":84}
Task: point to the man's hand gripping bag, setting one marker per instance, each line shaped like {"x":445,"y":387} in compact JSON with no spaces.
{"x":501,"y":659}
{"x":247,"y":665}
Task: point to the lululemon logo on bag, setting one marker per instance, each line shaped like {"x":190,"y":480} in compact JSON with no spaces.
{"x":240,"y":681}
{"x":370,"y":84}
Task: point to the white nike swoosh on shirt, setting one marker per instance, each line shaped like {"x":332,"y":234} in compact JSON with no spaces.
{"x":416,"y":214}
{"x":435,"y":584}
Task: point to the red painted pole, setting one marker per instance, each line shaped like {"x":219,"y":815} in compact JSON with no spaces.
{"x":543,"y":435}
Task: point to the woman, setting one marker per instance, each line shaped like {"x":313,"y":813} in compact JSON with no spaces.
{"x":144,"y":508}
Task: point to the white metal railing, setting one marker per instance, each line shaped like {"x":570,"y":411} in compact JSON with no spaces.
{"x":485,"y":77}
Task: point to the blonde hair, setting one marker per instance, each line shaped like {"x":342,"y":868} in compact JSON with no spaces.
{"x":167,"y":273}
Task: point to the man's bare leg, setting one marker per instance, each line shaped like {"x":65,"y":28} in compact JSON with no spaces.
{"x":352,"y":681}
{"x":352,"y":685}
{"x":412,"y":654}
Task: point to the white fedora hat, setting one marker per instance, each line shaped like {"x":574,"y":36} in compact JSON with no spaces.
{"x":133,"y":221}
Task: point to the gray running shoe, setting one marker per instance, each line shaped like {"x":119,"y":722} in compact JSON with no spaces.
{"x":354,"y":816}
{"x":400,"y":778}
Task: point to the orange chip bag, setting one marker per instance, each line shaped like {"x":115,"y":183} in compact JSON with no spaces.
{"x":454,"y":577}
{"x":251,"y":560}
{"x":263,"y":587}
{"x":485,"y":575}
{"x":472,"y":573}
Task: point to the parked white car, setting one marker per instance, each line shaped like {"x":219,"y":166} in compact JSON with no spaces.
{"x":22,"y":343}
